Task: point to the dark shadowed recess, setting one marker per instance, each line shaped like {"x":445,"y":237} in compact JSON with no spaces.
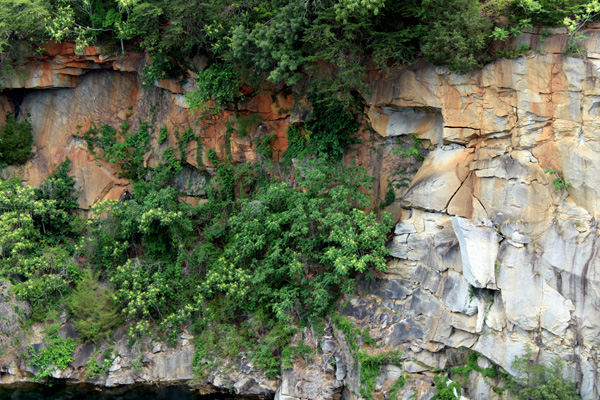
{"x":90,"y":392}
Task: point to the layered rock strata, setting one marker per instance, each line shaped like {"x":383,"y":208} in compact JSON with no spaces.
{"x":495,"y":249}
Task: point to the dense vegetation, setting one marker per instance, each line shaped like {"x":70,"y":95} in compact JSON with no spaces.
{"x":266,"y":250}
{"x":270,"y":248}
{"x":16,"y":139}
{"x":284,"y":40}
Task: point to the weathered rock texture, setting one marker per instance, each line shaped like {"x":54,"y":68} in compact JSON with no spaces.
{"x":482,"y":213}
{"x":489,"y":255}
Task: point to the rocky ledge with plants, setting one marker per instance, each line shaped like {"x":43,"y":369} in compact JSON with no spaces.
{"x":302,"y":199}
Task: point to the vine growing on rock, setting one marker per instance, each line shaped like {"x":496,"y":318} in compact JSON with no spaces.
{"x":58,"y":353}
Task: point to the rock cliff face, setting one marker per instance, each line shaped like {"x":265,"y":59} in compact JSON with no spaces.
{"x":492,"y":252}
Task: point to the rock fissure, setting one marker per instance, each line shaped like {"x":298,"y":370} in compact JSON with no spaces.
{"x":489,"y":255}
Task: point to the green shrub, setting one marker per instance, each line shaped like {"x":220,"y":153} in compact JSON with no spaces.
{"x":94,"y":313}
{"x":95,"y":367}
{"x":41,"y":267}
{"x":58,"y":189}
{"x":219,"y":82}
{"x":457,"y":36}
{"x":16,"y":139}
{"x":295,"y":249}
{"x":297,"y":145}
{"x":332,"y":127}
{"x":536,"y":381}
{"x":445,"y":390}
{"x":121,"y":147}
{"x":546,"y":12}
{"x":57,"y":354}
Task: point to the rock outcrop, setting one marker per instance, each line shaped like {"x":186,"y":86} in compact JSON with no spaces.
{"x":491,"y":253}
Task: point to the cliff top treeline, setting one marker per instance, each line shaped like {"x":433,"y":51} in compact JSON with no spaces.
{"x":284,"y":39}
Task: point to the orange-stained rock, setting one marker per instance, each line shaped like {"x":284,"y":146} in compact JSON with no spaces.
{"x":541,"y":108}
{"x":171,"y":85}
{"x":268,"y":108}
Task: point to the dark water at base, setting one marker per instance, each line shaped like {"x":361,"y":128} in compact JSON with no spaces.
{"x":89,"y":392}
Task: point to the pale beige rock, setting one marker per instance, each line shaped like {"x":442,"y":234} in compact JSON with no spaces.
{"x":438,"y":179}
{"x":479,"y":249}
{"x":529,"y":301}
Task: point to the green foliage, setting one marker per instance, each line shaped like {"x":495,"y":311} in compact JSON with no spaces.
{"x":183,"y":140}
{"x":399,"y":384}
{"x":581,"y":13}
{"x":515,"y":53}
{"x":225,"y":175}
{"x":272,"y":45}
{"x":472,"y":365}
{"x":297,"y":145}
{"x":122,"y":147}
{"x":58,"y":353}
{"x":332,"y":127}
{"x":162,"y":66}
{"x":263,"y":146}
{"x":370,"y":364}
{"x":532,"y":380}
{"x":446,"y":390}
{"x":260,"y":251}
{"x":94,"y":314}
{"x":21,"y":22}
{"x":98,"y":366}
{"x":267,"y":346}
{"x":547,"y":12}
{"x":351,"y":332}
{"x":558,"y":182}
{"x":247,"y":122}
{"x":283,"y":40}
{"x":414,"y":149}
{"x":16,"y":139}
{"x":219,"y":82}
{"x":535,"y":381}
{"x":37,"y":261}
{"x":290,"y":353}
{"x":293,"y":249}
{"x":346,"y":8}
{"x":457,"y":35}
{"x":370,"y":369}
{"x":58,"y":188}
{"x":152,"y":286}
{"x":163,"y":134}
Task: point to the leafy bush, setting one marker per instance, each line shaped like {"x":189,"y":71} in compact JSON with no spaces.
{"x":294,"y":249}
{"x":297,"y":145}
{"x":219,"y":82}
{"x":332,"y":127}
{"x":546,"y":12}
{"x":457,"y":35}
{"x":94,"y":313}
{"x":446,"y":390}
{"x":57,"y":354}
{"x":41,"y":267}
{"x":59,"y":189}
{"x":16,"y":139}
{"x":535,"y":381}
{"x":273,"y":45}
{"x":95,"y":368}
